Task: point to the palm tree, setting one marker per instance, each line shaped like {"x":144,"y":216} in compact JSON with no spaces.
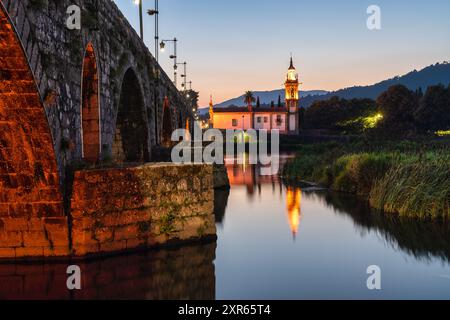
{"x":249,"y":98}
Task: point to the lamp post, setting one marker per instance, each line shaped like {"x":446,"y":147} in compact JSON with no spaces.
{"x":155,"y":12}
{"x":184,"y":75}
{"x":141,"y":22}
{"x":162,"y":46}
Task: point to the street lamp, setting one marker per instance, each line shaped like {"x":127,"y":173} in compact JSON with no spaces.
{"x":162,"y":46}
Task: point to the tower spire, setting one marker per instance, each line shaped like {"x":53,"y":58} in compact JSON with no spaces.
{"x":291,"y":67}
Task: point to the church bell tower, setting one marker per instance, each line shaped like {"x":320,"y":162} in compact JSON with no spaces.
{"x":211,"y":113}
{"x":292,"y":99}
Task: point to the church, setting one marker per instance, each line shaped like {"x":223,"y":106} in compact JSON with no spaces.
{"x":284,"y":118}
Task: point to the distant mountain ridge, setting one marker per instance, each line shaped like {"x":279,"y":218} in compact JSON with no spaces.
{"x":266,"y":97}
{"x":438,"y":73}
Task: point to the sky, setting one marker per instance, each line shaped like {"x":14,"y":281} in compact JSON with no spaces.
{"x":232,"y":46}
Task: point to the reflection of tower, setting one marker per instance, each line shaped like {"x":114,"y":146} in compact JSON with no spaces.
{"x":292,"y":99}
{"x":211,"y":113}
{"x":293,"y":199}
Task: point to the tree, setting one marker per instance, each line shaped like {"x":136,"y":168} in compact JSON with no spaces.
{"x":279,"y":102}
{"x":433,"y":111}
{"x":272,"y":104}
{"x":249,"y":98}
{"x":301,"y":115}
{"x":331,"y":114}
{"x":397,"y":106}
{"x":258,"y":103}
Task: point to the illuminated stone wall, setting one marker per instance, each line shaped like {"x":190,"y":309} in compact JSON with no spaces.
{"x":123,"y":209}
{"x":55,"y":55}
{"x":114,"y":210}
{"x":32,"y":221}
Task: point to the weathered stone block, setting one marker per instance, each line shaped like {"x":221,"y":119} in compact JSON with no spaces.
{"x":24,"y":252}
{"x":10,"y":239}
{"x":35,"y":239}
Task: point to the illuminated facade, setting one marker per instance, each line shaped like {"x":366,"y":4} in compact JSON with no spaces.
{"x":284,"y":118}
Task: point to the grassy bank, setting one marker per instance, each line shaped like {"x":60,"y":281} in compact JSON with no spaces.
{"x":409,"y":178}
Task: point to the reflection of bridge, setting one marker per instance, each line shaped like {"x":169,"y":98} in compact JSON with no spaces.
{"x":178,"y":273}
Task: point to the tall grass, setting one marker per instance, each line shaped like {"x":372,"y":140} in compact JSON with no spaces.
{"x":419,"y":189}
{"x":412,"y":179}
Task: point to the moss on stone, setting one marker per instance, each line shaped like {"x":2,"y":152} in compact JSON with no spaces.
{"x":167,"y":224}
{"x":202,"y":229}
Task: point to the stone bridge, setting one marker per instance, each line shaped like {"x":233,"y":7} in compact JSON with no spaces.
{"x":74,"y":97}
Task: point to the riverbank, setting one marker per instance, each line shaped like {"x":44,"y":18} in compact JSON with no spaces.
{"x":408,"y":178}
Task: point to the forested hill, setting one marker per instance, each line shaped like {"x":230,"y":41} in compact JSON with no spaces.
{"x":431,"y":75}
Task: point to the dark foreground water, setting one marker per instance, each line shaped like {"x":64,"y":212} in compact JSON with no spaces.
{"x":274,"y":242}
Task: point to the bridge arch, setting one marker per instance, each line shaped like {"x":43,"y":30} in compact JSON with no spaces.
{"x":90,"y":106}
{"x":167,"y":125}
{"x":29,"y":180}
{"x":131,"y":132}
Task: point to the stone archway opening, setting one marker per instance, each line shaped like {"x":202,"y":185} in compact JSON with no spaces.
{"x":167,"y":124}
{"x":29,"y":179}
{"x":131,"y":134}
{"x":90,"y":110}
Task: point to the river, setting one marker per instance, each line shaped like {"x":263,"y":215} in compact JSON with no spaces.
{"x":274,"y":242}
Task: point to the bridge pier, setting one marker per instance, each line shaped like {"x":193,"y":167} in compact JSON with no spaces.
{"x":121,"y":209}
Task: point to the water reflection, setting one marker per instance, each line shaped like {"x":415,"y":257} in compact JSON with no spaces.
{"x":251,"y":176}
{"x":336,"y":238}
{"x":178,"y":273}
{"x":422,"y":239}
{"x":293,"y":199}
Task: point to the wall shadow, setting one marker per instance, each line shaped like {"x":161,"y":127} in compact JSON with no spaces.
{"x":220,"y":204}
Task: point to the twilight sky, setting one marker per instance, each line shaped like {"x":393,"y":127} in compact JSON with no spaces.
{"x":237,"y":45}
